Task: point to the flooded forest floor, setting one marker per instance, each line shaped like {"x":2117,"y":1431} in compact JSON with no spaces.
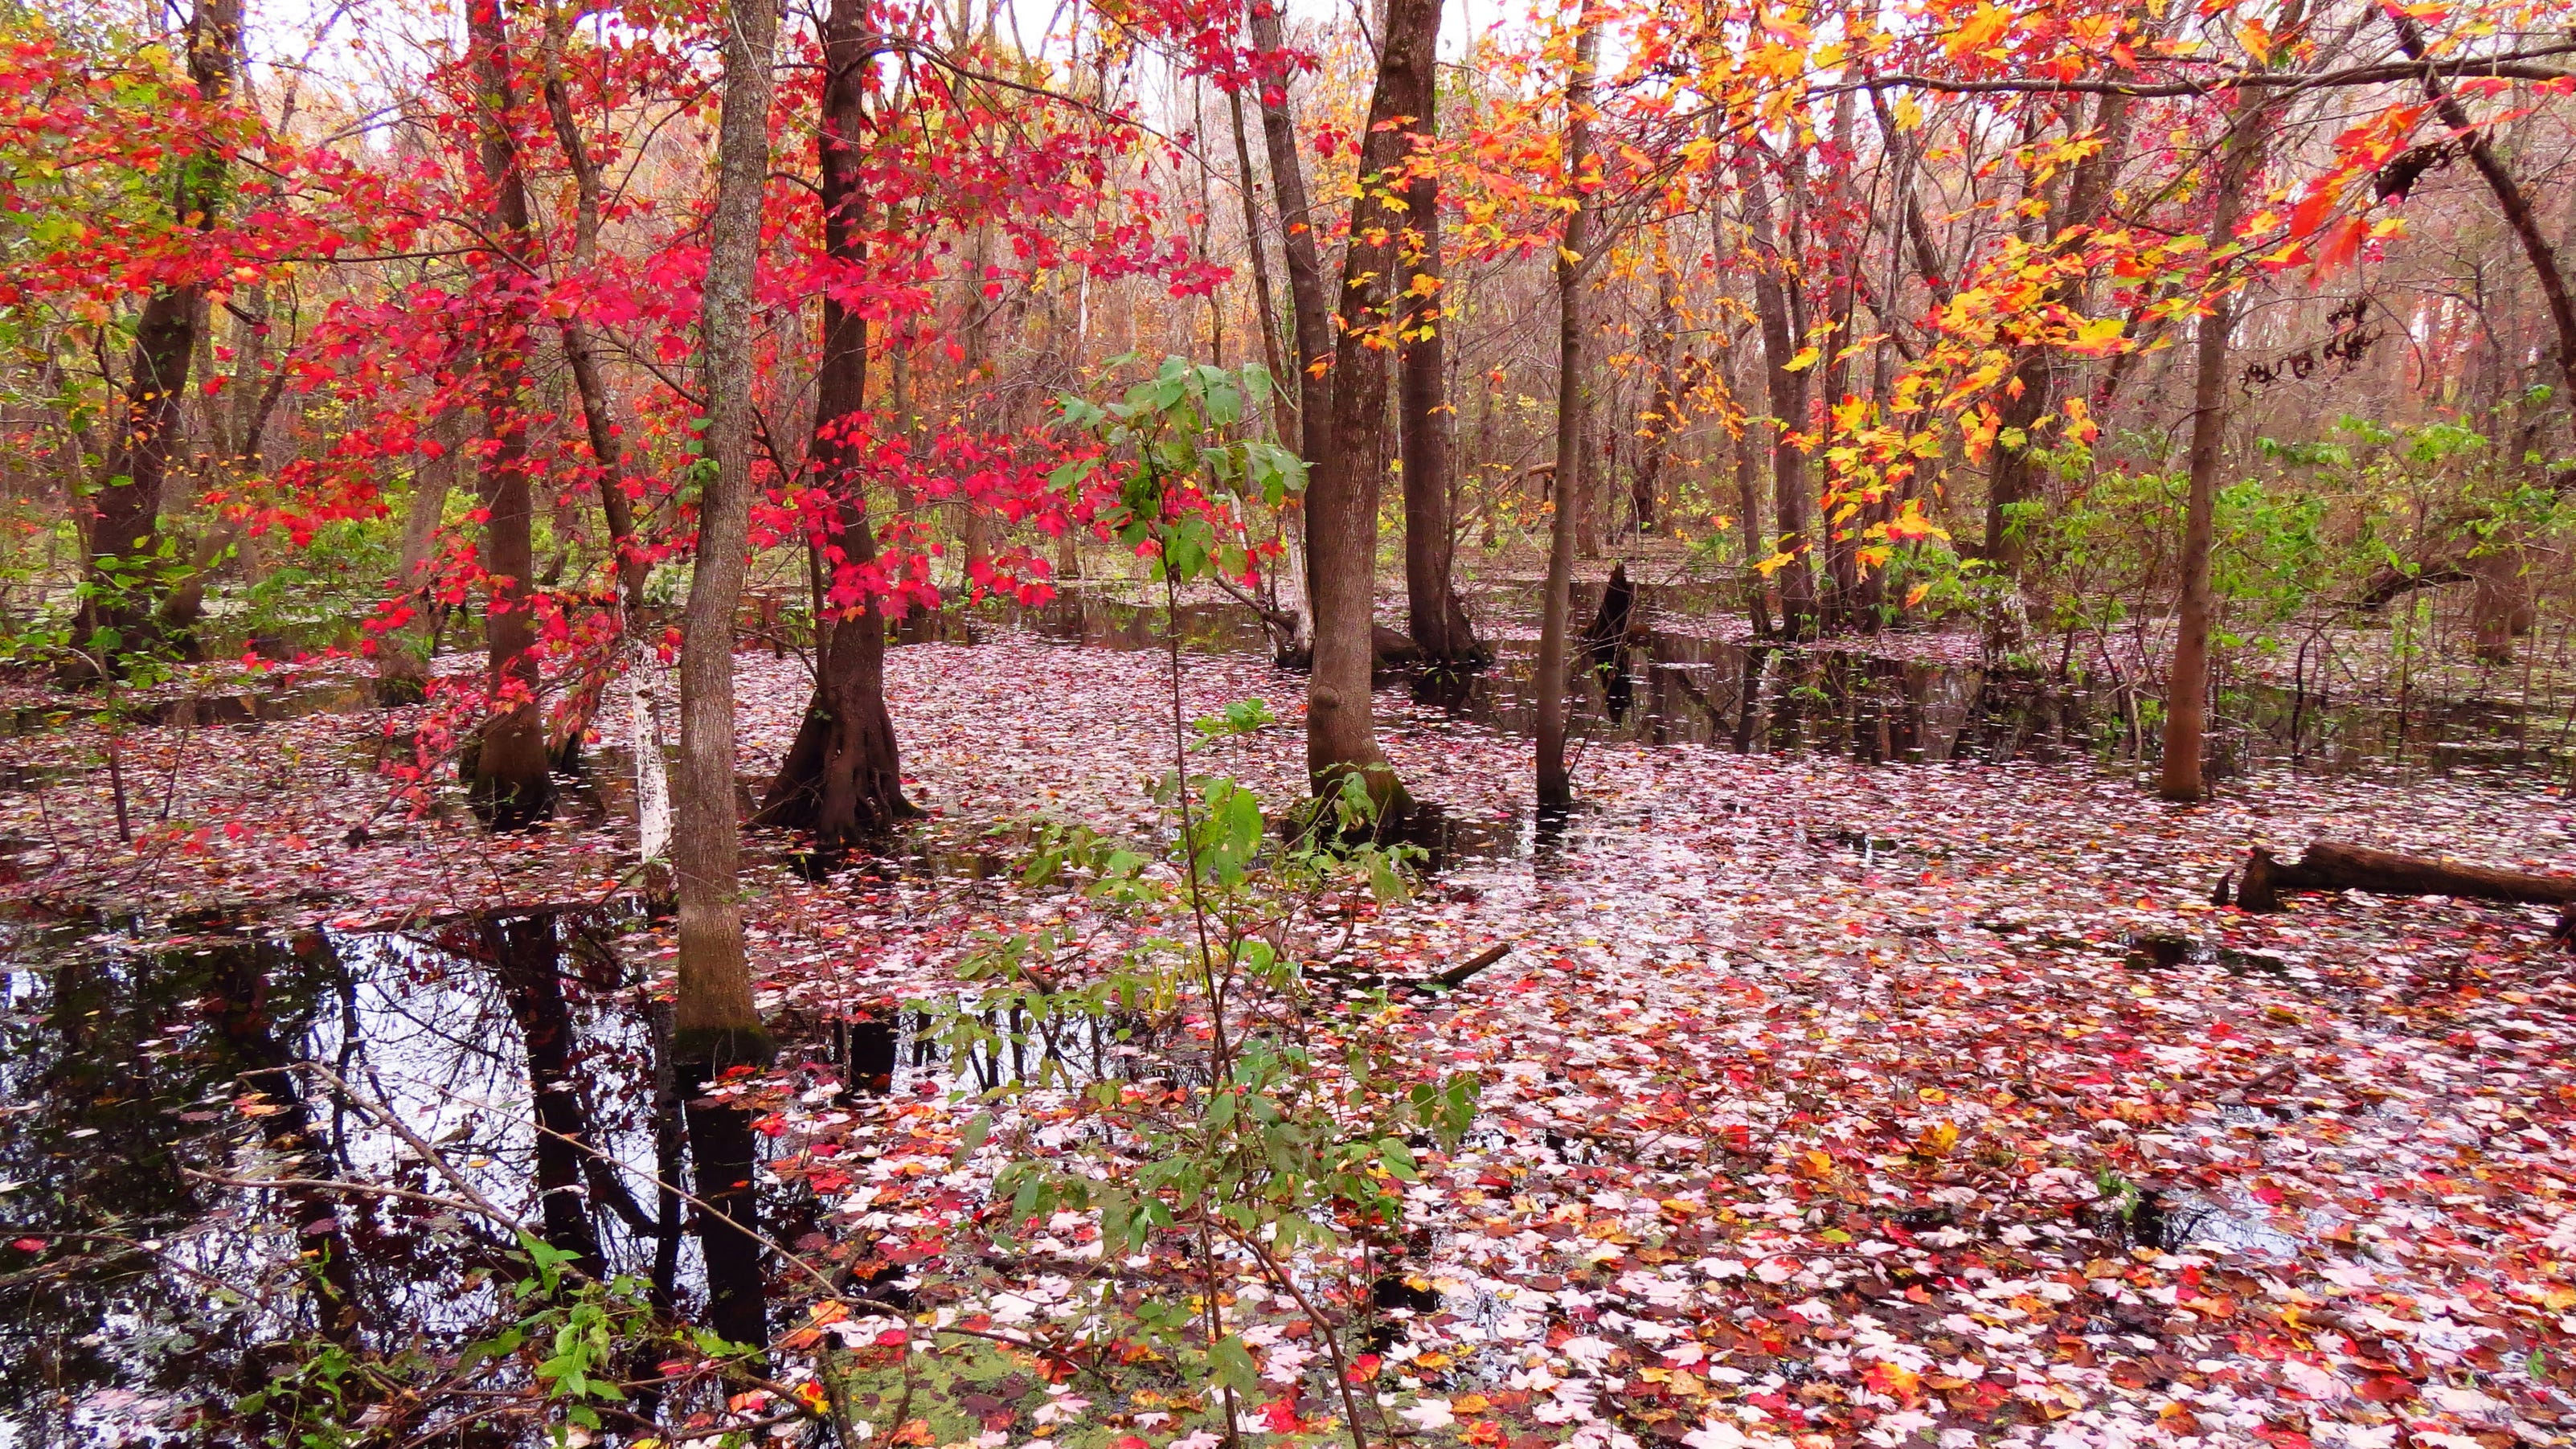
{"x":1868,"y":1064}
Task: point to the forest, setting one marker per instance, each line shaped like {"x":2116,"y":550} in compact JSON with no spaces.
{"x":1218,"y":724}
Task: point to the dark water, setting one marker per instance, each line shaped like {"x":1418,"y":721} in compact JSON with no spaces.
{"x":194,"y":1145}
{"x":145,"y":1078}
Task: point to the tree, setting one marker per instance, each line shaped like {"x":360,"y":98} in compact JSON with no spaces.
{"x":1555,"y":784}
{"x":1310,"y":311}
{"x":714,"y":1021}
{"x":1342,"y":487}
{"x":1437,"y":617}
{"x":2013,"y":474}
{"x":2187,"y":683}
{"x":1785,"y":370}
{"x":513,"y":784}
{"x":121,"y":516}
{"x":842,"y":778}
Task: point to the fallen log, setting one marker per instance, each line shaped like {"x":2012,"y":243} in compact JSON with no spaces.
{"x":1457,"y":976}
{"x":2333,"y":866}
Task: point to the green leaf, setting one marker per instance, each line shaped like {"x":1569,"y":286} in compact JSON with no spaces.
{"x":972,"y":1138}
{"x":1397,"y":1159}
{"x":1234,"y":1366}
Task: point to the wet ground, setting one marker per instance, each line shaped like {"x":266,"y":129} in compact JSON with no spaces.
{"x":1832,"y":1086}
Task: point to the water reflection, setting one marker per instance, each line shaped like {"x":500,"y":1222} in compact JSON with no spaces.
{"x":199,"y":1173}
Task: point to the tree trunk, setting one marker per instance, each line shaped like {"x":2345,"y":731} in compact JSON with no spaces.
{"x":1311,"y":311}
{"x":2187,"y":686}
{"x":1434,"y":612}
{"x":1756,"y":547}
{"x":512,"y":786}
{"x":1645,"y":489}
{"x":1791,"y":534}
{"x":714,"y":1021}
{"x":1342,"y":486}
{"x":1265,"y":313}
{"x":842,"y":778}
{"x":1555,"y":785}
{"x":121,"y":521}
{"x":402,"y":657}
{"x":235,"y":426}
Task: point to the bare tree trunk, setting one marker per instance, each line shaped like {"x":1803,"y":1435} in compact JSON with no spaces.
{"x":512,"y":785}
{"x":1555,"y":784}
{"x":1434,"y":612}
{"x":1265,"y":313}
{"x":2187,"y":686}
{"x":1645,"y":489}
{"x":121,"y":521}
{"x":1788,"y":392}
{"x":1312,"y":311}
{"x":842,"y":778}
{"x":1342,"y":486}
{"x":713,"y":1018}
{"x":1296,"y":644}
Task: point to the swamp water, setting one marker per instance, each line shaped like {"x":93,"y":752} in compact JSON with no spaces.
{"x":152,"y":1075}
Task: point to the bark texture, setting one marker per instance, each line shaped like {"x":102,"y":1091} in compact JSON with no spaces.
{"x":842,"y":778}
{"x":1342,"y":484}
{"x":1311,"y":311}
{"x":1555,"y":784}
{"x":714,"y":1021}
{"x":1434,"y":612}
{"x":512,"y":785}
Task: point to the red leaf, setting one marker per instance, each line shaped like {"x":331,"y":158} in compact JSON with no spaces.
{"x":2342,"y":246}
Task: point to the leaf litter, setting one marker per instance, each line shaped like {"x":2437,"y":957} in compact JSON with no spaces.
{"x":1783,"y":1140}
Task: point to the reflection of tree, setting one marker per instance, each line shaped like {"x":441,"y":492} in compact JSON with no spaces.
{"x":180,"y":1060}
{"x":119,"y":1065}
{"x":527,"y":958}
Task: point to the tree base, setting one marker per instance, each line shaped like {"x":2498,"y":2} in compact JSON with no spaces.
{"x":709,"y":1050}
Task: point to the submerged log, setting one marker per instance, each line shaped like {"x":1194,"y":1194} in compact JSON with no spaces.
{"x":2333,"y":866}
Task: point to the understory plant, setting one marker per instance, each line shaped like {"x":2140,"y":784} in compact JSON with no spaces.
{"x":1264,"y":1121}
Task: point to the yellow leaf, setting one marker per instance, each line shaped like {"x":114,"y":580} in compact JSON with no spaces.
{"x":2098,"y":337}
{"x":1937,"y":1139}
{"x":1805,"y":359}
{"x":1977,"y":30}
